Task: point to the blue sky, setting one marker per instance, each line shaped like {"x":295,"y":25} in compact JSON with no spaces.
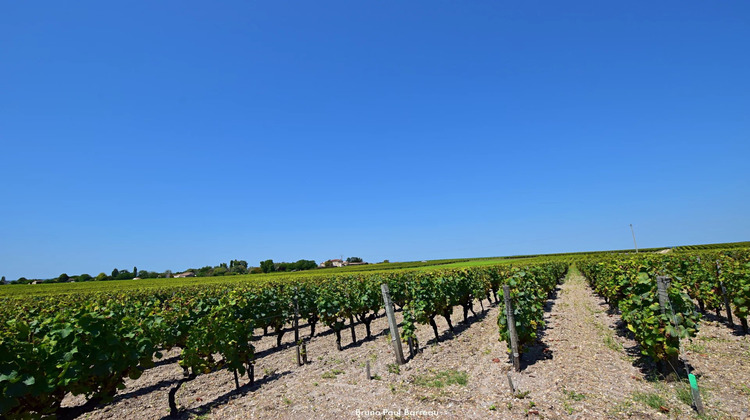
{"x":179,"y":134}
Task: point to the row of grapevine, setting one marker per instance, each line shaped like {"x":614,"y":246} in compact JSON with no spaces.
{"x":629,"y":284}
{"x":87,"y":347}
{"x":703,"y":273}
{"x":87,"y":344}
{"x":720,"y":246}
{"x":530,"y":287}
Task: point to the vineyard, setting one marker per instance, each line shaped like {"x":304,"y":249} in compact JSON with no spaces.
{"x":93,"y":344}
{"x":715,"y":280}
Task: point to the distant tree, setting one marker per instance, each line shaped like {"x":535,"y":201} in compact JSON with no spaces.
{"x":135,"y":271}
{"x":267,"y":266}
{"x":354,"y":260}
{"x":101,"y":277}
{"x":240,"y":263}
{"x":3,"y":280}
{"x":328,"y":264}
{"x":295,"y":266}
{"x":124,"y":275}
{"x":206,"y":271}
{"x":168,"y":273}
{"x":305,"y":265}
{"x":224,"y":265}
{"x":143,"y":274}
{"x":220,"y":271}
{"x":63,"y":278}
{"x":22,"y":280}
{"x":115,"y":273}
{"x":256,"y":270}
{"x":84,"y":277}
{"x":238,"y":269}
{"x":386,"y":262}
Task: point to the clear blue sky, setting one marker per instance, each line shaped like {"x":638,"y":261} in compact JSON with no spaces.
{"x":178,"y":134}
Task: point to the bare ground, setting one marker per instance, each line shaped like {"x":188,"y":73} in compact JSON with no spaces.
{"x":584,"y":367}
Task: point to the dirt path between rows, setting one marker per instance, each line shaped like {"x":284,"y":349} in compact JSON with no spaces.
{"x":597,"y":371}
{"x":583,"y":368}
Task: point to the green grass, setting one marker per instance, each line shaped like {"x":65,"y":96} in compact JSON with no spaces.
{"x":685,"y":395}
{"x":650,"y":399}
{"x":608,"y":336}
{"x":575,"y":396}
{"x":442,"y":379}
{"x":269,"y":372}
{"x":332,"y":374}
{"x":568,"y":409}
{"x":394,"y":368}
{"x":521,"y":395}
{"x":620,"y":409}
{"x":612,"y":343}
{"x":696,"y":347}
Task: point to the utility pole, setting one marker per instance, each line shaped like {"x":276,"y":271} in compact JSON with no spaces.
{"x":633,"y":232}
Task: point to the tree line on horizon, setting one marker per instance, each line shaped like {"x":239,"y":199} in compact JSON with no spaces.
{"x":233,"y":268}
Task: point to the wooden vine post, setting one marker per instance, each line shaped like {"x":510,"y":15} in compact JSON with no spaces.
{"x":395,"y":337}
{"x":300,"y":360}
{"x":662,"y":284}
{"x":511,"y":384}
{"x":511,"y":322}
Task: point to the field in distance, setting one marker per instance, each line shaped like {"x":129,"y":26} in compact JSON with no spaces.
{"x":116,"y":285}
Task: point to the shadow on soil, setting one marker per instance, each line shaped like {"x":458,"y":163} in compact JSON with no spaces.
{"x":225,"y":398}
{"x":359,"y":342}
{"x":165,"y":361}
{"x":735,"y":327}
{"x":540,"y":350}
{"x":460,"y":327}
{"x":321,"y":331}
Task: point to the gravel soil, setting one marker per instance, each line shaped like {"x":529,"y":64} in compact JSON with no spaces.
{"x":585,"y":366}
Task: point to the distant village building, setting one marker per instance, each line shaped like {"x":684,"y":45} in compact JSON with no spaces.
{"x":185,"y":274}
{"x":336,"y":263}
{"x":341,"y":263}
